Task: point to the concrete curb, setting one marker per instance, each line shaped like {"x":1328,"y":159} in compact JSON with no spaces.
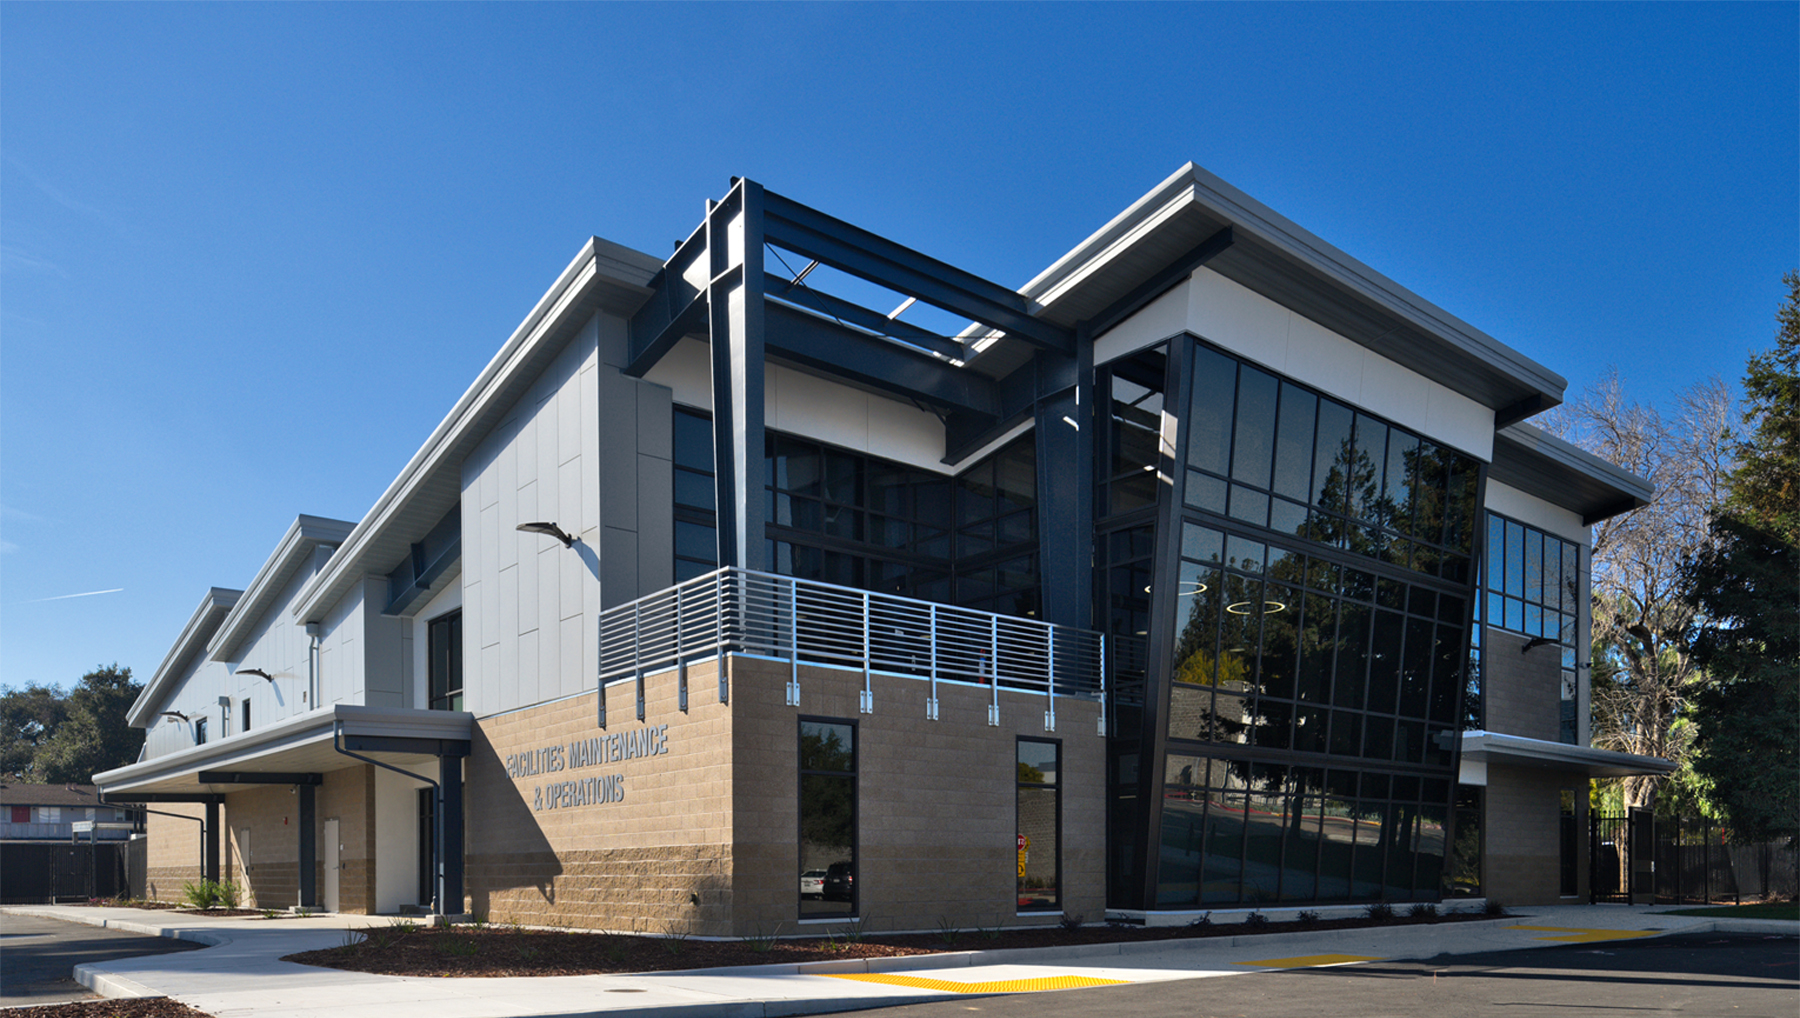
{"x":111,"y":985}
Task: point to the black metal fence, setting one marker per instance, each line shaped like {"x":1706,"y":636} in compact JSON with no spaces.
{"x":46,"y":872}
{"x":1649,"y":859}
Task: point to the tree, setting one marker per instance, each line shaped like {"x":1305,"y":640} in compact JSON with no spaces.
{"x":1746,"y":587}
{"x":54,"y":739}
{"x":1645,"y":673}
{"x":28,"y":718}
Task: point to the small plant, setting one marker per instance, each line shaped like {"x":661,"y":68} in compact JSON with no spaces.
{"x":1380,"y":912}
{"x":459,"y":947}
{"x":210,"y":894}
{"x":1071,"y":922}
{"x":402,"y":925}
{"x":526,"y":953}
{"x":269,"y":913}
{"x":948,"y":933}
{"x":856,"y":931}
{"x":1424,"y":912}
{"x":1493,"y":908}
{"x":478,"y":919}
{"x":1256,"y":920}
{"x":673,"y":940}
{"x":1307,"y":918}
{"x":1202,"y":920}
{"x":352,"y":939}
{"x":833,"y":945}
{"x":990,"y":932}
{"x":763,"y":943}
{"x":304,"y":911}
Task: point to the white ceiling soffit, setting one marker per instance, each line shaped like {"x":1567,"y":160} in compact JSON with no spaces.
{"x":603,"y":277}
{"x":1275,"y":257}
{"x":1518,"y":751}
{"x":199,"y":629}
{"x":303,"y":744}
{"x":289,"y":557}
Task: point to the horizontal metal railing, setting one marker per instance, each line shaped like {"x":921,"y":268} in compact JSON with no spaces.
{"x":806,"y":622}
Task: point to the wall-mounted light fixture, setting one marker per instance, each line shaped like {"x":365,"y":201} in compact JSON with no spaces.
{"x":257,"y":672}
{"x":549,"y":530}
{"x":172,"y":714}
{"x":1534,"y":643}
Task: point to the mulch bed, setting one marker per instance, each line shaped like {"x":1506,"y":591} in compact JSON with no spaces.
{"x":125,"y":1007}
{"x":418,"y":950}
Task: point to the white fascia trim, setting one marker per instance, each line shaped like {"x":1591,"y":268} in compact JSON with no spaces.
{"x":307,"y":533}
{"x":200,"y":626}
{"x":1193,"y":185}
{"x":299,"y":730}
{"x":557,"y":302}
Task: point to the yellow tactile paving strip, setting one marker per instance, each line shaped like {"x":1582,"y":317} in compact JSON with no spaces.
{"x":998,"y":986}
{"x":1309,"y":961}
{"x":1576,"y":935}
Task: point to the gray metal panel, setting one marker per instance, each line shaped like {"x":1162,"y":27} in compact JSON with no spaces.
{"x":618,"y":567}
{"x":618,"y":450}
{"x":656,"y":523}
{"x":655,"y":420}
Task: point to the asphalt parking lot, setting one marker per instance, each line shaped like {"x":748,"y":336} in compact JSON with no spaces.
{"x":38,"y":955}
{"x":1711,"y":974}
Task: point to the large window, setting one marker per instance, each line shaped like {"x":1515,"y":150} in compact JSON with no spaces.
{"x":1039,"y":811}
{"x":827,"y":818}
{"x":446,"y":662}
{"x":1531,"y":584}
{"x":1296,"y":645}
{"x":861,"y":521}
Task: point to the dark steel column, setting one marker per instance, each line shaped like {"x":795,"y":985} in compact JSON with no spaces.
{"x":1065,"y":484}
{"x":209,"y":848}
{"x":734,"y":297}
{"x":309,"y":847}
{"x":449,"y":823}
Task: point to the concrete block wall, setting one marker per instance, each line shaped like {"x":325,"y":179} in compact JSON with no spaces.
{"x":348,"y":796}
{"x":173,"y":856}
{"x":658,"y":859}
{"x":270,"y":817}
{"x":936,"y":799}
{"x":1522,"y":856}
{"x":1521,"y":690}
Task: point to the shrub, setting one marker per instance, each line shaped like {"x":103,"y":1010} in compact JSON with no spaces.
{"x":1071,"y":922}
{"x":1493,"y":907}
{"x":1423,"y":911}
{"x":1256,"y":920}
{"x":211,"y":894}
{"x":1380,"y":912}
{"x":1202,"y":920}
{"x":1307,"y":919}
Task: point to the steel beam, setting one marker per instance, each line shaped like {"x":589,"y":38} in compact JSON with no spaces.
{"x":812,"y":233}
{"x":857,"y":315}
{"x":845,"y":353}
{"x":210,"y":835}
{"x":213,"y":798}
{"x":1065,"y":467}
{"x":401,"y":744}
{"x":258,"y":778}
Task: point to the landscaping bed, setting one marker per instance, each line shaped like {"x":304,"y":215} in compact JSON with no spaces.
{"x":410,"y":949}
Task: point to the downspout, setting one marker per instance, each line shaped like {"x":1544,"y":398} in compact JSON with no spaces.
{"x":165,"y":813}
{"x":437,"y":794}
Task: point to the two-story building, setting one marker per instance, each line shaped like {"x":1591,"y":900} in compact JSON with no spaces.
{"x":802,"y":577}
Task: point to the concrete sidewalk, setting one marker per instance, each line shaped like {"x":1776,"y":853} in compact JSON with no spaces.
{"x":241,"y":974}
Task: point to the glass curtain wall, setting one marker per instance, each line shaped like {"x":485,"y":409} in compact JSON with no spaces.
{"x":1531,"y":583}
{"x":863,"y":521}
{"x":1315,"y":666}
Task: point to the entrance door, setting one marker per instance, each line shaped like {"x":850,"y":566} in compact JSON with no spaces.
{"x":333,"y":863}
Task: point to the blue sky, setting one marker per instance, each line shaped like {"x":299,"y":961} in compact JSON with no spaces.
{"x":254,"y":252}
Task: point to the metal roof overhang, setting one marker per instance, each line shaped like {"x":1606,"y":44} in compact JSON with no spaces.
{"x":1276,"y":258}
{"x":1518,"y":751}
{"x":299,"y":745}
{"x":1543,"y":465}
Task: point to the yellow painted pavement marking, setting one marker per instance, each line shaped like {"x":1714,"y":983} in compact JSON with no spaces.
{"x":998,"y":986}
{"x":1577,"y":935}
{"x":1309,"y":961}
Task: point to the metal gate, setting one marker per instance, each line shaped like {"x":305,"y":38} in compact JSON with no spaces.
{"x":1647,"y":859}
{"x":35,"y":873}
